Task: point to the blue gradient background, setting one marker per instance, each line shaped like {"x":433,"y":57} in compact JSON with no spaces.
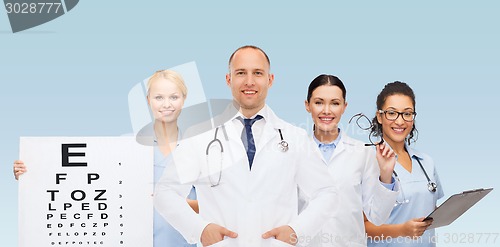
{"x":71,"y":76}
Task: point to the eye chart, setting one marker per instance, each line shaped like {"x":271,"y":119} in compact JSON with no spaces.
{"x":85,"y":191}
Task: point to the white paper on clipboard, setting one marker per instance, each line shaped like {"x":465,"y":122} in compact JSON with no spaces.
{"x":455,"y":206}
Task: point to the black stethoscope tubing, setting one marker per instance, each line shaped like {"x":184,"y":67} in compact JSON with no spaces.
{"x":431,"y":186}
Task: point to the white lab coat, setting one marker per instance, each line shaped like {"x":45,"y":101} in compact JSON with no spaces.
{"x":247,"y":202}
{"x":355,"y":171}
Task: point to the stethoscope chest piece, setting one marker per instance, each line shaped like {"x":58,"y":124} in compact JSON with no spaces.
{"x":432,"y":186}
{"x":283,"y":146}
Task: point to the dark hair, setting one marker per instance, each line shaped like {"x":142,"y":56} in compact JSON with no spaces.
{"x":249,"y":47}
{"x":329,"y":80}
{"x":390,"y":89}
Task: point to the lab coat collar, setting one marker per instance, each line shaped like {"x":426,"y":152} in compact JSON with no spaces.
{"x":274,"y":121}
{"x":268,"y":116}
{"x":334,"y":142}
{"x":345,"y":141}
{"x":272,"y":124}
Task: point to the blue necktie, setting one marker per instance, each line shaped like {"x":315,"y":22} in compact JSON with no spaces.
{"x":248,"y":140}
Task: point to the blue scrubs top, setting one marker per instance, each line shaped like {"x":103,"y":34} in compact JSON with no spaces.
{"x":421,"y":202}
{"x":164,"y":235}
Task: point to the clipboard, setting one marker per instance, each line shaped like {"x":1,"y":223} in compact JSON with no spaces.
{"x":455,"y":206}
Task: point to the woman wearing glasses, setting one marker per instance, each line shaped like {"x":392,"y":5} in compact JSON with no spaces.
{"x":364,"y":180}
{"x":420,"y":185}
{"x":166,"y":94}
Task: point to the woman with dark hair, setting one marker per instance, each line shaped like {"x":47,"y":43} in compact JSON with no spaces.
{"x":420,"y":184}
{"x":363,"y":185}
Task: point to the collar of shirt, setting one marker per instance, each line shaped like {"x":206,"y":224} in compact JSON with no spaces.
{"x":414,"y":154}
{"x":263,"y":112}
{"x":332,"y":144}
{"x":257,"y":127}
{"x":327,"y":148}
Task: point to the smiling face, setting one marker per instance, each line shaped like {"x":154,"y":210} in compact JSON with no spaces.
{"x":326,"y":106}
{"x":396,"y":131}
{"x":165,"y":99}
{"x":249,"y":79}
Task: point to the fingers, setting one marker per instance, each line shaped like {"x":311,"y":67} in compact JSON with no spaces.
{"x":229,"y":233}
{"x":17,"y":174}
{"x":385,"y":150}
{"x":214,"y":233}
{"x":386,"y":162}
{"x":419,"y":232}
{"x":428,"y":222}
{"x":19,"y":168}
{"x":389,"y":151}
{"x":272,"y":233}
{"x":381,"y":149}
{"x":283,"y":233}
{"x":19,"y":164}
{"x":419,"y":226}
{"x":421,"y":219}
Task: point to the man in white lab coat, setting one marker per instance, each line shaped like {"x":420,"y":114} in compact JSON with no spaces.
{"x":247,"y":198}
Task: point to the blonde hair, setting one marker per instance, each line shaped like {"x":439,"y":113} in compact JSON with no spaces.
{"x":169,"y":75}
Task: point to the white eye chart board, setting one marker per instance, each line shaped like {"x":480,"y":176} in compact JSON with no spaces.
{"x":85,"y":191}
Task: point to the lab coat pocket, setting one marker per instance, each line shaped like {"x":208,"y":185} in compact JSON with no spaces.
{"x":224,"y":243}
{"x":279,"y":243}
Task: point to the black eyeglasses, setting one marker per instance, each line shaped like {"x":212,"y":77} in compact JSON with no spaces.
{"x":391,"y":115}
{"x":364,"y":123}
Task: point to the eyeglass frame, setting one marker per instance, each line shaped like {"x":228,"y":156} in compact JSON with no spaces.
{"x":360,"y":115}
{"x":413,"y":114}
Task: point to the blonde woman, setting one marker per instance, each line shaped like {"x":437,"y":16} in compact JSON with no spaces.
{"x":166,"y":94}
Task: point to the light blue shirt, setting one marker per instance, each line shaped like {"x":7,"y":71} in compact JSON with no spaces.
{"x":421,"y":201}
{"x":164,"y":235}
{"x":327,"y":148}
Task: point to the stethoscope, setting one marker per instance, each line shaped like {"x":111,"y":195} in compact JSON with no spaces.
{"x":282,"y":145}
{"x":216,"y":141}
{"x":431,"y":186}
